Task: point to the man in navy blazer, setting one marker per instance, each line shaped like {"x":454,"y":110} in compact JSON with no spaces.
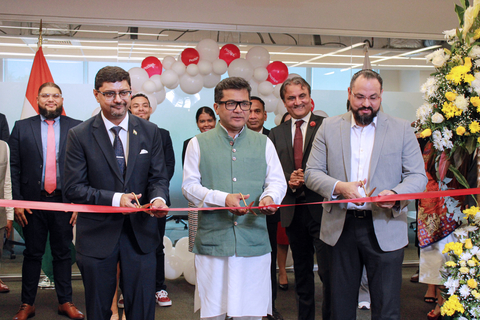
{"x":28,"y":145}
{"x":111,"y":159}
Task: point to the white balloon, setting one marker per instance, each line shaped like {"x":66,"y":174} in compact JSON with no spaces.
{"x":265,"y":88}
{"x":276,"y":91}
{"x":258,"y":57}
{"x":169,"y":79}
{"x":289,"y":261}
{"x":152,"y":100}
{"x":175,"y":84}
{"x":158,"y":82}
{"x":96,"y":111}
{"x":160,"y":96}
{"x":179,"y":68}
{"x":254,"y":86}
{"x":240,"y":68}
{"x":191,"y":85}
{"x":270,"y":102}
{"x":204,"y":67}
{"x":192,"y":69}
{"x":167,"y":243}
{"x":211,"y":80}
{"x":149,"y":86}
{"x":208,"y":50}
{"x":320,"y":113}
{"x":280,"y":108}
{"x":189,"y":270}
{"x":278,"y":118}
{"x":167,"y":62}
{"x":260,"y":74}
{"x":219,"y":66}
{"x":137,"y":77}
{"x":181,"y":249}
{"x":174,"y":266}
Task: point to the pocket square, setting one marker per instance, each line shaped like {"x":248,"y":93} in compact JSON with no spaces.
{"x":143,"y":151}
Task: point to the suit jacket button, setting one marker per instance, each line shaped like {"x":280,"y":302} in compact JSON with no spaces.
{"x":234,"y":179}
{"x":234,"y":158}
{"x":234,"y":150}
{"x":235,"y":223}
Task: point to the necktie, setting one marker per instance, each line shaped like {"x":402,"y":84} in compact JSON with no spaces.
{"x":118,"y":147}
{"x":50,"y":182}
{"x":298,"y":145}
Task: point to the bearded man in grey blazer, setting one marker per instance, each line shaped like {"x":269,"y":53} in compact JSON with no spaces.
{"x":353,"y":154}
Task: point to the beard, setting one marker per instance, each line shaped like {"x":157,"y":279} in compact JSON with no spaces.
{"x":115,"y":113}
{"x":48,"y":114}
{"x":364,"y":119}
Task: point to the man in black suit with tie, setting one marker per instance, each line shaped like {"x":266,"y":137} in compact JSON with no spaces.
{"x":293,"y":141}
{"x":4,"y":131}
{"x":37,"y":157}
{"x":112,"y":159}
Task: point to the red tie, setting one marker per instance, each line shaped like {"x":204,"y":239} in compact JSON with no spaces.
{"x":50,"y":183}
{"x":298,"y":145}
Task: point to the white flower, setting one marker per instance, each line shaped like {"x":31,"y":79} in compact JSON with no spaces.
{"x":462,"y":318}
{"x":450,"y":36}
{"x":462,"y":263}
{"x":464,"y":291}
{"x":461,"y":233}
{"x":452,"y":285}
{"x":438,"y":57}
{"x":476,"y":219}
{"x":476,"y":83}
{"x":437,"y":118}
{"x":474,"y":250}
{"x":429,"y":88}
{"x":447,"y":133}
{"x":474,"y":52}
{"x":424,"y":111}
{"x":465,"y":257}
{"x":461,"y":102}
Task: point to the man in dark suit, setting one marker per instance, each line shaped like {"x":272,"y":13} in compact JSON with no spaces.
{"x":141,"y":107}
{"x":37,"y":159}
{"x":293,"y":141}
{"x":255,"y":122}
{"x":4,"y":131}
{"x":112,"y":159}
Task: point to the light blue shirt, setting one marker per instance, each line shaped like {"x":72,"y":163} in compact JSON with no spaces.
{"x":56,"y":129}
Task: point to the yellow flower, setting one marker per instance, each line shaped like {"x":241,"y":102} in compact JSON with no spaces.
{"x":475,"y":101}
{"x":450,"y":264}
{"x":463,"y":263}
{"x":461,"y":130}
{"x":456,"y":247}
{"x":471,"y":212}
{"x":426,"y":133}
{"x":450,"y":96}
{"x":464,"y":270}
{"x":472,"y":283}
{"x":477,"y":34}
{"x":476,"y":294}
{"x":460,"y":73}
{"x":451,"y":306}
{"x":468,"y":244}
{"x":478,"y":139}
{"x":449,"y":110}
{"x":471,"y":263}
{"x":474,"y":127}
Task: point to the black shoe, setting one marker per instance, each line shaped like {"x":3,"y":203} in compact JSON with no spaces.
{"x":283,"y":287}
{"x":275,"y":315}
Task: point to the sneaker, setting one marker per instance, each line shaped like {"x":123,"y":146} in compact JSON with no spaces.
{"x":162,"y":298}
{"x":121,"y":303}
{"x":364,"y":305}
{"x":45,"y":283}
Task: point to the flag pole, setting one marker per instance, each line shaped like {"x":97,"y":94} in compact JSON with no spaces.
{"x":40,"y":38}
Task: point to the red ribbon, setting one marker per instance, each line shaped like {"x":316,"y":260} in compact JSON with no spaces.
{"x":55,"y":206}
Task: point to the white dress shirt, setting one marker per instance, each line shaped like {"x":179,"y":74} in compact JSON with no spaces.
{"x":303,"y":127}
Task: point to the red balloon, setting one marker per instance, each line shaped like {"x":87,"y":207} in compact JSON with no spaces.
{"x":229,"y":52}
{"x":152,"y":65}
{"x":277,"y":72}
{"x":189,"y":56}
{"x":313,"y":104}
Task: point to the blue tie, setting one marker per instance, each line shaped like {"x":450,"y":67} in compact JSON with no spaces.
{"x":118,"y":147}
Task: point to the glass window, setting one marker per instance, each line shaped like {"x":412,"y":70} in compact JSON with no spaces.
{"x":331,"y":78}
{"x":94,"y":66}
{"x":66,"y":71}
{"x":17,"y":70}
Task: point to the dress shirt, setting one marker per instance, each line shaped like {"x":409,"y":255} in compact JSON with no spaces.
{"x":203,"y":197}
{"x":44,"y":131}
{"x":303,"y":127}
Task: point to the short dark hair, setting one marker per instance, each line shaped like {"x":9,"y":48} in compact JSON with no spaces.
{"x":136,"y":95}
{"x":235,"y":83}
{"x":206,"y":110}
{"x":49,"y":84}
{"x":367,"y":74}
{"x":299,"y":81}
{"x":111,"y":74}
{"x":259,"y":100}
{"x":284,"y":116}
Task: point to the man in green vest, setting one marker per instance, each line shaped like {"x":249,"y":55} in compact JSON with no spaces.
{"x":223,"y":167}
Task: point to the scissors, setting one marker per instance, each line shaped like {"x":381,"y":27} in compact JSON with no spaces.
{"x":249,"y":206}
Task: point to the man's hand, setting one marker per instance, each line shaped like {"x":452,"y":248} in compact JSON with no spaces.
{"x":349,"y":190}
{"x":386,"y":204}
{"x":296,"y":179}
{"x":157,"y":207}
{"x":233,"y":200}
{"x":73,"y":219}
{"x":128,"y":200}
{"x":9,"y":228}
{"x":266,"y":202}
{"x":20,"y":216}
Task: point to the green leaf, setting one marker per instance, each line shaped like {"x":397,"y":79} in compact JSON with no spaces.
{"x":465,"y":3}
{"x":460,"y":178}
{"x":458,"y":157}
{"x":460,"y":12}
{"x":471,"y":145}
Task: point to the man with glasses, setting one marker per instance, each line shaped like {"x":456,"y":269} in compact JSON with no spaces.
{"x":225,"y":167}
{"x":361,"y":153}
{"x":116,"y":159}
{"x":37,"y":157}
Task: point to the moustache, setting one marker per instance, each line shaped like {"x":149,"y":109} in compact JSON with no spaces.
{"x":366,"y":108}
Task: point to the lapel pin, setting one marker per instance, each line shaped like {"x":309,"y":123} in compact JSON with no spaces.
{"x":312,"y":123}
{"x":134,"y":132}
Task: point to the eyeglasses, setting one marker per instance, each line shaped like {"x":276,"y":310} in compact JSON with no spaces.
{"x":362,"y":98}
{"x":231,"y":105}
{"x":53,"y":95}
{"x":109,"y":95}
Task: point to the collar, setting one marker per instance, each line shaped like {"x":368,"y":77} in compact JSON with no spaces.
{"x":236,"y":136}
{"x":109,"y":125}
{"x":42,"y":118}
{"x":305,"y":119}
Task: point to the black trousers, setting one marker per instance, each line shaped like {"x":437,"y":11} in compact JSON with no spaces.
{"x":272,"y":235}
{"x":137,"y":274}
{"x":40,"y":223}
{"x":358,"y":246}
{"x":304,"y":237}
{"x":160,"y":277}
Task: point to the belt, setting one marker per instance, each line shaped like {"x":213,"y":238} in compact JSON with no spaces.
{"x":360,"y":214}
{"x":56,"y":193}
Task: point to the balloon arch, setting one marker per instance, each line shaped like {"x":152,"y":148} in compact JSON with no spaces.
{"x":203,"y":66}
